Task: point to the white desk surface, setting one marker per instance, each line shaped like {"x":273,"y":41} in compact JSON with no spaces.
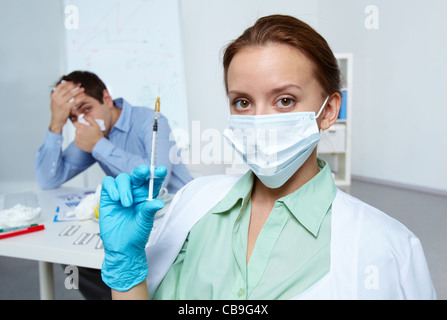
{"x":48,"y":246}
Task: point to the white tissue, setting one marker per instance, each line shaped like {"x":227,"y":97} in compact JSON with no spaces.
{"x":19,"y":215}
{"x":86,"y":208}
{"x":100,"y":122}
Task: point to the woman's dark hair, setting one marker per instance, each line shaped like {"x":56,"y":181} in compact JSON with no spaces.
{"x":288,"y":30}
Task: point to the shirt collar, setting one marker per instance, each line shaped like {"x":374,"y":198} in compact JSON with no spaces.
{"x":123,"y":122}
{"x":241,"y":190}
{"x":309,"y":204}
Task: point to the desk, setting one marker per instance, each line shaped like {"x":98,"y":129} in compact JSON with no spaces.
{"x":48,"y":247}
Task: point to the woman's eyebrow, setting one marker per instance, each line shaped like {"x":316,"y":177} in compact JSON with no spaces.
{"x":284,"y":88}
{"x":272,"y":91}
{"x":238,"y":93}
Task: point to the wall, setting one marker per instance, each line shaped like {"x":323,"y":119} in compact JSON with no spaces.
{"x":30,"y":62}
{"x":400,"y":82}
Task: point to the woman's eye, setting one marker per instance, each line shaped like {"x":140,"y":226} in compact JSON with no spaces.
{"x":285,"y":102}
{"x":242,"y":104}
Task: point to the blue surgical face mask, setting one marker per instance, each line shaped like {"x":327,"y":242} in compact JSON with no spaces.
{"x":274,"y":146}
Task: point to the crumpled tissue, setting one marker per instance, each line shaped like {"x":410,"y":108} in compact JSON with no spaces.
{"x":19,"y":215}
{"x":100,"y":122}
{"x":86,"y":208}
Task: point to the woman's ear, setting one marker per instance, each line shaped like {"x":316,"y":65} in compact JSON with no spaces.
{"x":330,"y":112}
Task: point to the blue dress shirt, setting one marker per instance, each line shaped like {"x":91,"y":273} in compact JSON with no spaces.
{"x":129,"y":145}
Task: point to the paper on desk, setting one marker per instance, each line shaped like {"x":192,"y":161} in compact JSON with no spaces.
{"x":81,"y":206}
{"x":67,"y":203}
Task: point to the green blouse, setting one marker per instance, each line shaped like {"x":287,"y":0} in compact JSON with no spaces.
{"x":292,"y":251}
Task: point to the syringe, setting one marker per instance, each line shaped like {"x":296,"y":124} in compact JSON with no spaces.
{"x":154,"y":146}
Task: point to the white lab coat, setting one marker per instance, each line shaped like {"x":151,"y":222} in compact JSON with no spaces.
{"x":373,"y":256}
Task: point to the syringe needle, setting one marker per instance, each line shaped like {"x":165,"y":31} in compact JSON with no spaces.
{"x":154,"y":146}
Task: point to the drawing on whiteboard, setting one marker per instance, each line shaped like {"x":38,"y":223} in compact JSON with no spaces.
{"x":134,"y":46}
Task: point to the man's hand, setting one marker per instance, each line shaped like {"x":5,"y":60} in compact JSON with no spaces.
{"x":87,"y":135}
{"x":63,"y":99}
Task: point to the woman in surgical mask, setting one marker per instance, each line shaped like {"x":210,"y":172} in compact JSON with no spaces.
{"x":281,"y":231}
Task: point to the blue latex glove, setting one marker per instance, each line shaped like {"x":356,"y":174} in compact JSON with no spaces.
{"x":125,"y":222}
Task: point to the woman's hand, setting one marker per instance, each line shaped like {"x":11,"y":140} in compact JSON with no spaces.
{"x":126,"y":219}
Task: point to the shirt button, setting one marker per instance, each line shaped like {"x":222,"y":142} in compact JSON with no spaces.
{"x":241,"y":292}
{"x":59,"y":141}
{"x":53,"y":164}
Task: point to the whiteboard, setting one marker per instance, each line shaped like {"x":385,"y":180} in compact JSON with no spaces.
{"x":134,"y":46}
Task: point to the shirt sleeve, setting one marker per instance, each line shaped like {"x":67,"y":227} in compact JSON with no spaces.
{"x":178,"y":175}
{"x":392,"y":264}
{"x":54,"y":166}
{"x":415,"y":275}
{"x":118,"y":160}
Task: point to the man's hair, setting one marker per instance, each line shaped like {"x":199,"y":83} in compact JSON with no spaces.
{"x":92,"y":84}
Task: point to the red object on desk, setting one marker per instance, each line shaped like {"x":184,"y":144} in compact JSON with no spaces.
{"x":21,"y":231}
